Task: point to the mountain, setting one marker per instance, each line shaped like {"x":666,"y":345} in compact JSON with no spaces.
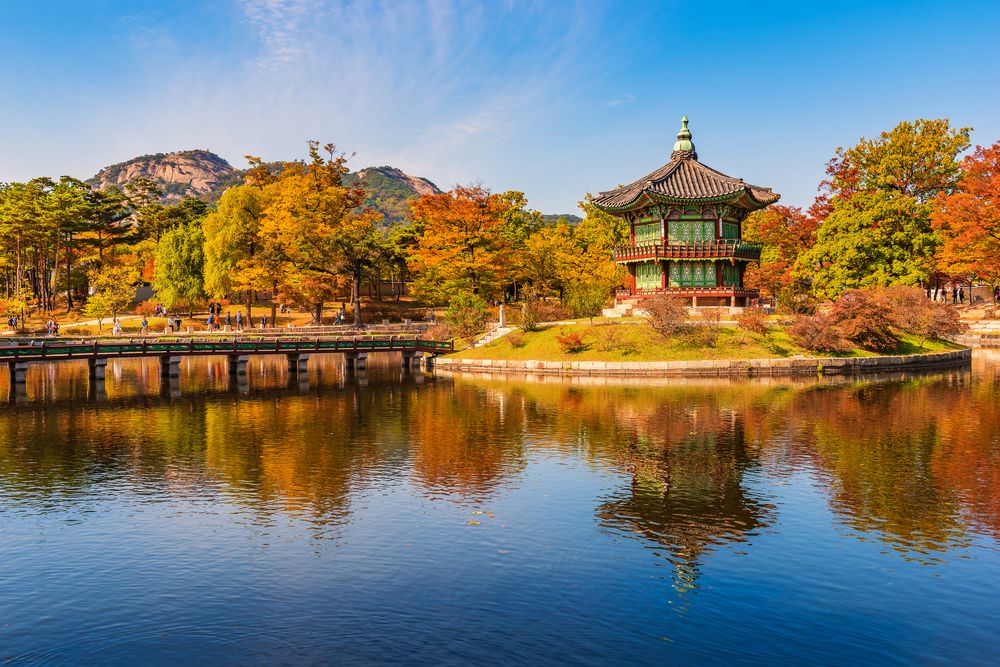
{"x":199,"y":173}
{"x":568,"y":218}
{"x":204,"y":175}
{"x":390,"y":191}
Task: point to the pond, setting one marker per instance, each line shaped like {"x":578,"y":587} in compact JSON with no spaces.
{"x":412,"y":519}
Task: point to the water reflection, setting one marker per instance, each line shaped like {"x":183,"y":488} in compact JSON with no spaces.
{"x":616,"y":483}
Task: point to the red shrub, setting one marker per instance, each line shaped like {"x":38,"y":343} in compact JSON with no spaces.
{"x":817,"y":333}
{"x":571,"y":342}
{"x":864,"y":320}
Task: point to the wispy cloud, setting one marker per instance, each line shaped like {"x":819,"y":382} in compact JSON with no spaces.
{"x":620,"y":100}
{"x":282,"y":26}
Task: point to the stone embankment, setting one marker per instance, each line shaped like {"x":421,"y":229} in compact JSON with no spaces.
{"x":716,"y":367}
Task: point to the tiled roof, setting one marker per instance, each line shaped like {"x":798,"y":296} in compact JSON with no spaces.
{"x":686,"y":178}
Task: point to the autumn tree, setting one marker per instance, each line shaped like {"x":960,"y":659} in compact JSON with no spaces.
{"x":968,"y":219}
{"x":785,"y":232}
{"x":463,"y":246}
{"x":318,"y":225}
{"x":879,"y":196}
{"x":114,"y":289}
{"x":236,"y":258}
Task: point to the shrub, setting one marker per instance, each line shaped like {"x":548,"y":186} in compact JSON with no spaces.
{"x":865,"y":321}
{"x":146,"y":308}
{"x":817,"y":333}
{"x":586,"y":299}
{"x":753,"y":320}
{"x":531,"y":317}
{"x":608,"y":338}
{"x":667,"y":315}
{"x":705,"y":333}
{"x":914,"y":313}
{"x":517,"y":339}
{"x":466,"y":316}
{"x":571,"y":342}
{"x":437,"y":332}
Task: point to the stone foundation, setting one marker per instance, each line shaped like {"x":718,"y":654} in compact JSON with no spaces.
{"x":714,"y":367}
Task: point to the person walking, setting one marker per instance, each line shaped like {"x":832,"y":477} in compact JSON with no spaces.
{"x":239,"y":320}
{"x":144,"y":327}
{"x":116,"y":329}
{"x":229,"y":321}
{"x":954,"y":295}
{"x":263,"y":322}
{"x":961,"y":295}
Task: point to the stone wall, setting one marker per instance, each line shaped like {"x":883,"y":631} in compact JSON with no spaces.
{"x":712,"y":367}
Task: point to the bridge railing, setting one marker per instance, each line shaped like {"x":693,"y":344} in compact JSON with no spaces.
{"x":132,"y":347}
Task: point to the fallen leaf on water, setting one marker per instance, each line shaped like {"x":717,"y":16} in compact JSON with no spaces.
{"x":472,"y":523}
{"x":479,"y":512}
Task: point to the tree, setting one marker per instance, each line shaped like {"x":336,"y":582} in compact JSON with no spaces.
{"x":877,"y":195}
{"x":875,"y":238}
{"x":179,"y":278}
{"x":463,"y":246}
{"x":318,"y":225}
{"x":968,"y":219}
{"x":114,"y":289}
{"x":586,"y":299}
{"x":466,"y":315}
{"x":785,"y":232}
{"x":236,"y":258}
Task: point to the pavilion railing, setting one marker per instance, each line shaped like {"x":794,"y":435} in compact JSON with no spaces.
{"x":703,"y":250}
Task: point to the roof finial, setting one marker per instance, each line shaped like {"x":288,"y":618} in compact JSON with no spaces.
{"x":684,"y":146}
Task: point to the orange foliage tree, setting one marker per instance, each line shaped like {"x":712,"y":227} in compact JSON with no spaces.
{"x":785,"y":232}
{"x":968,"y":219}
{"x":462,"y":246}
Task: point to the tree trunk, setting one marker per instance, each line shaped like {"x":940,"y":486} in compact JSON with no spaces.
{"x":69,"y":282}
{"x":356,"y":296}
{"x":318,"y":313}
{"x":274,"y":304}
{"x":249,"y":305}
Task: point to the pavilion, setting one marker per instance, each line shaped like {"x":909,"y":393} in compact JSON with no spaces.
{"x":686,"y":222}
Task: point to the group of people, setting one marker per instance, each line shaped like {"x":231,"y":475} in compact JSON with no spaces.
{"x":12,"y":322}
{"x":957,"y":294}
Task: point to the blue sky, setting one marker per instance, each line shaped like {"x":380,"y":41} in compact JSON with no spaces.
{"x":553,"y":98}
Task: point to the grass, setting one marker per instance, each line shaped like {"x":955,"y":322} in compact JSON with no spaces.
{"x":638,"y":342}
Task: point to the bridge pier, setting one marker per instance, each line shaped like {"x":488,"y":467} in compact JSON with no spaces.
{"x":428,"y":362}
{"x":356,"y":360}
{"x":96,"y":368}
{"x":411,"y":358}
{"x":18,"y":375}
{"x":297,"y":363}
{"x":170,"y":367}
{"x":238,"y":364}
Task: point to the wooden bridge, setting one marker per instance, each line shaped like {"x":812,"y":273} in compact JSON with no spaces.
{"x":237,"y":350}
